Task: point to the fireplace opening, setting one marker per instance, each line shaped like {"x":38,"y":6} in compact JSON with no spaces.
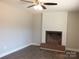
{"x":54,"y":37}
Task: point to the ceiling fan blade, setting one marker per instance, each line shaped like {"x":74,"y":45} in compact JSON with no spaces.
{"x":27,"y":1}
{"x":30,"y":6}
{"x":50,"y":3}
{"x":43,"y":7}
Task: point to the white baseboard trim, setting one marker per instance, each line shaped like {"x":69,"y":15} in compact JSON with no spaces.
{"x":7,"y":53}
{"x":72,"y":49}
{"x":36,"y":44}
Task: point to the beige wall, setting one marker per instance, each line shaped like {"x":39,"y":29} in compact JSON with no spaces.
{"x":37,"y":23}
{"x":73,"y":31}
{"x":15,"y":28}
{"x":55,"y":21}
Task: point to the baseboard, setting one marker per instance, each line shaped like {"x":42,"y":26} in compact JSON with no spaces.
{"x":36,"y":44}
{"x":72,"y":49}
{"x":7,"y":53}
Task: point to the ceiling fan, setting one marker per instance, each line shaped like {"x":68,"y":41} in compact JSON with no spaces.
{"x":38,"y":3}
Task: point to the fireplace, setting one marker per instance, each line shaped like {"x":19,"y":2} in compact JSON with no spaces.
{"x":53,"y":41}
{"x":54,"y":37}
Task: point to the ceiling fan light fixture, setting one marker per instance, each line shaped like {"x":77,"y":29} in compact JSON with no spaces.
{"x":38,"y":7}
{"x":42,"y":1}
{"x":39,"y":4}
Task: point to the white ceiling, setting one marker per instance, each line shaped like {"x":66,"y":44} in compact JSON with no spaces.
{"x":65,"y":4}
{"x":62,"y":4}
